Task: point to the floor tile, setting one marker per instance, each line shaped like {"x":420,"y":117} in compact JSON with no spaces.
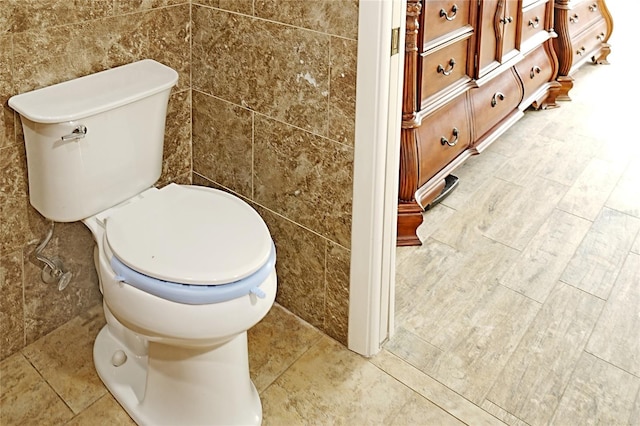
{"x":105,"y":411}
{"x":331,"y":385}
{"x":541,"y":263}
{"x":533,"y":381}
{"x":277,"y":342}
{"x":599,"y":394}
{"x":625,"y":197}
{"x":597,"y":261}
{"x":73,"y":377}
{"x":616,"y":337}
{"x":26,"y":398}
{"x":433,"y":390}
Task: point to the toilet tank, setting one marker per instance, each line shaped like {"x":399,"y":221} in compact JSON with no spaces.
{"x":95,"y":141}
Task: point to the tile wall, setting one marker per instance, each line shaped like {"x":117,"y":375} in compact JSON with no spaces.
{"x":43,"y":42}
{"x":266,"y":87}
{"x":273,"y":121}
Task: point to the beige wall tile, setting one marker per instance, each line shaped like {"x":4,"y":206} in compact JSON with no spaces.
{"x":127,"y":6}
{"x":337,"y":17}
{"x":23,"y":15}
{"x":11,"y":304}
{"x":26,"y":396}
{"x":223,"y":143}
{"x":7,"y":119}
{"x":46,"y":307}
{"x":337,"y":288}
{"x":239,"y":6}
{"x":304,"y":177}
{"x":276,"y":70}
{"x":300,"y":265}
{"x":177,"y":156}
{"x":342,"y":95}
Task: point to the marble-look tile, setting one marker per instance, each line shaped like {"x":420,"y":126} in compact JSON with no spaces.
{"x":338,"y":17}
{"x":337,"y":273}
{"x":599,"y":394}
{"x":274,"y":69}
{"x":616,"y":338}
{"x":105,"y":411}
{"x":432,"y":390}
{"x":24,"y":15}
{"x":223,"y":143}
{"x":591,"y":189}
{"x":46,"y":307}
{"x":128,"y":6}
{"x":13,"y":199}
{"x":300,"y":266}
{"x":598,"y":259}
{"x":72,"y":377}
{"x":239,"y":6}
{"x":276,"y":343}
{"x":331,"y":385}
{"x":342,"y":96}
{"x":7,"y":118}
{"x":304,"y":177}
{"x":533,"y":380}
{"x":541,"y":263}
{"x":42,"y":58}
{"x":176,"y":159}
{"x":11,"y":304}
{"x":25,"y":396}
{"x":636,"y":245}
{"x":625,"y":196}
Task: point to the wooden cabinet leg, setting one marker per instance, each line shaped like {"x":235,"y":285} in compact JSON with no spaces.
{"x":409,"y":218}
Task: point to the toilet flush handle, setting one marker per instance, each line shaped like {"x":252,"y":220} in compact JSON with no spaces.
{"x":78,"y":133}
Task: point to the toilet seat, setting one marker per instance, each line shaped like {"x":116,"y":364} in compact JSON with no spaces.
{"x":189,"y":235}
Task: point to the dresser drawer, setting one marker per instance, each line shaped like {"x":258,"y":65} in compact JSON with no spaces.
{"x":441,"y":18}
{"x":495,"y":101}
{"x":535,"y":70}
{"x":533,"y":21}
{"x":589,"y":41}
{"x":443,"y":67}
{"x":442,"y":136}
{"x":582,"y":16}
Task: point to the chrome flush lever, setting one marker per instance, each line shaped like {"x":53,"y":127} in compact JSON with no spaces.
{"x":78,"y":133}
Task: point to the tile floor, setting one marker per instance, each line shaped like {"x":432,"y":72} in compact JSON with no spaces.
{"x":522,"y":306}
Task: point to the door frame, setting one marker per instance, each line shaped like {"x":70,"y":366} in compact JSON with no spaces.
{"x":375,"y":180}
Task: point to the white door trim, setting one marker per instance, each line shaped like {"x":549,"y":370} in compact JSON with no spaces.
{"x":375,"y":180}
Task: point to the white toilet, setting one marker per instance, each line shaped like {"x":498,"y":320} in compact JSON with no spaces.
{"x":184,"y":271}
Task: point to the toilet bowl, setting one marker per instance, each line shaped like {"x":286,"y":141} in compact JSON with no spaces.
{"x":184,"y":270}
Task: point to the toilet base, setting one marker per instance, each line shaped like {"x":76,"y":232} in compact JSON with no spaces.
{"x":177,"y":385}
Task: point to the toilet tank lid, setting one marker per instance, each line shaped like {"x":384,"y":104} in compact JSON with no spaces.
{"x":95,"y":93}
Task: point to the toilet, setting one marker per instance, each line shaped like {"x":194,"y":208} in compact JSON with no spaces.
{"x":184,"y":270}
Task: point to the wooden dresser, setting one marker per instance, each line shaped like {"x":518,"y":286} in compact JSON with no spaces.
{"x":584,"y":28}
{"x":471,"y":69}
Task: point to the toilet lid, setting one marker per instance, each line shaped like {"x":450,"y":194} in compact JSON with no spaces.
{"x":190,"y":235}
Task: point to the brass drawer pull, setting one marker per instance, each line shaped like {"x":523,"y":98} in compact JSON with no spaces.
{"x":534,"y":23}
{"x":581,"y":51}
{"x":600,"y":37}
{"x":452,"y":63}
{"x":593,"y":7}
{"x":497,"y":96}
{"x":574,"y":19}
{"x":535,"y":70}
{"x":453,"y":142}
{"x":507,"y":20}
{"x":454,"y":11}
